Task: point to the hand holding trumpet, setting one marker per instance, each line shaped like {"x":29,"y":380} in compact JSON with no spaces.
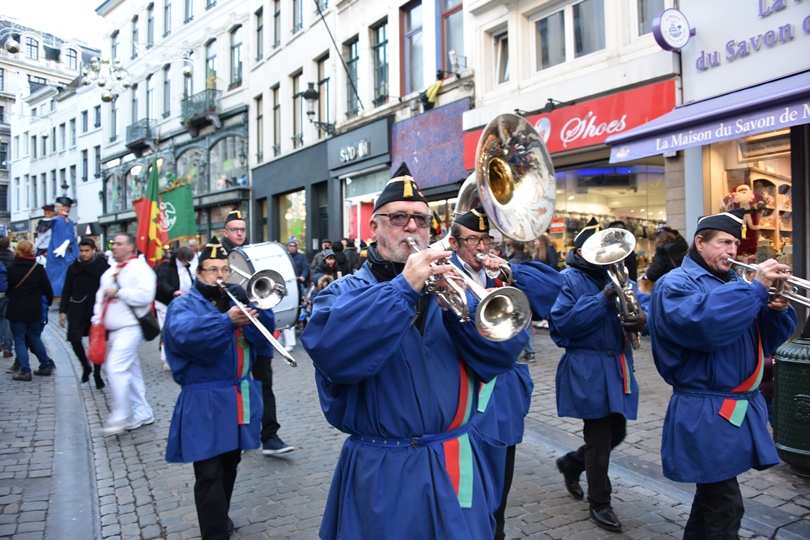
{"x":420,"y":267}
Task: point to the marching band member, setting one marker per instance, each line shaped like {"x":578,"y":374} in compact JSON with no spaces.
{"x":709,"y":331}
{"x":413,"y":466}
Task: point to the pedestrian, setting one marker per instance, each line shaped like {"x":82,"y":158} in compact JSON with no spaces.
{"x":234,"y":233}
{"x":341,"y":261}
{"x":62,"y":247}
{"x":302,"y":276}
{"x":670,"y":249}
{"x":510,"y":393}
{"x":194,"y":246}
{"x":82,"y":281}
{"x":517,"y":253}
{"x":327,"y":267}
{"x":545,"y":252}
{"x":211,"y":347}
{"x":710,"y":330}
{"x":318,"y":258}
{"x":595,"y":379}
{"x":125,"y":294}
{"x":174,"y":278}
{"x":352,"y":257}
{"x":27,"y":284}
{"x":6,"y":257}
{"x":404,"y":393}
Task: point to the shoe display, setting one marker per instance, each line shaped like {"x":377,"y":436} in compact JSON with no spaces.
{"x":571,"y":479}
{"x":276,"y":446}
{"x":7,"y":354}
{"x":14,"y":368}
{"x":22,"y":376}
{"x":606,"y":518}
{"x":135,"y":424}
{"x":44,"y":372}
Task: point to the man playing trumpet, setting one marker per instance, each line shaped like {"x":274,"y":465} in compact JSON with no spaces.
{"x":710,"y":330}
{"x":406,"y":393}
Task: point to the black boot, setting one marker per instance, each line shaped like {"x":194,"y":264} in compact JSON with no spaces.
{"x":87,"y":369}
{"x":97,"y":377}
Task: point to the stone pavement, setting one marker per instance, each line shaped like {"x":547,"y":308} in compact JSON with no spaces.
{"x":60,"y":478}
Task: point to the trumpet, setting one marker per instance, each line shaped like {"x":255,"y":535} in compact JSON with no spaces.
{"x":607,"y":248}
{"x":505,"y":269}
{"x":502,"y":313}
{"x":788,"y":287}
{"x":256,"y":289}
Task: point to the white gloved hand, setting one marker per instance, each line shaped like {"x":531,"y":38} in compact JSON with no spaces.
{"x":61,"y":250}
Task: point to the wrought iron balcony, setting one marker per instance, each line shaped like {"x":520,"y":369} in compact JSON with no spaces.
{"x":201,"y":109}
{"x":141,"y":135}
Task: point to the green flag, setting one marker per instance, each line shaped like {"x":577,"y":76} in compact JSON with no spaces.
{"x":178,"y":207}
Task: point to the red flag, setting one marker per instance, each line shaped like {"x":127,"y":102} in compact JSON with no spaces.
{"x":151,"y":235}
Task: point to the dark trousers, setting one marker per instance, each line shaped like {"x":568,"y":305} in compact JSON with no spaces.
{"x":74,"y":337}
{"x":717,"y":511}
{"x":263,"y":372}
{"x":601,"y":436}
{"x":509,"y":473}
{"x":212,"y":493}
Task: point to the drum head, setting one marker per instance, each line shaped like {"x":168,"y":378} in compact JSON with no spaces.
{"x":247,"y":260}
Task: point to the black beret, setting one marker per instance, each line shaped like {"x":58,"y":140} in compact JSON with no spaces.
{"x":476,"y":220}
{"x":587,"y":232}
{"x":50,"y":207}
{"x":400,"y":188}
{"x":234,"y":215}
{"x":731,"y":222}
{"x":213,"y":250}
{"x":65,"y":201}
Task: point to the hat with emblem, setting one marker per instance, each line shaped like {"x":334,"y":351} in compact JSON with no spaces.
{"x":234,"y":215}
{"x":475,"y":220}
{"x":213,"y":250}
{"x":400,"y":188}
{"x":732,"y":222}
{"x":589,"y":230}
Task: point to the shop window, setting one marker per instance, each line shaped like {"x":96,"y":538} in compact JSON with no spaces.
{"x":754,"y":173}
{"x":359,"y":194}
{"x":293,"y":218}
{"x":136,"y":183}
{"x":115,"y":193}
{"x":192,"y":168}
{"x":228,"y":164}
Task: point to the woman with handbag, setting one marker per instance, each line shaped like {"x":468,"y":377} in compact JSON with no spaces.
{"x":27,"y":285}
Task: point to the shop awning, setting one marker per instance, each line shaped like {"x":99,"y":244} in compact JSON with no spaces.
{"x":766,"y":107}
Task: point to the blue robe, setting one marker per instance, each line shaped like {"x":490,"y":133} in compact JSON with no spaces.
{"x":56,"y":267}
{"x":204,"y":356}
{"x":392,"y":384}
{"x":704,"y":339}
{"x":591,"y":377}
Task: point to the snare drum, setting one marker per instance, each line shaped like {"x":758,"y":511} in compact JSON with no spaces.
{"x":269,"y":256}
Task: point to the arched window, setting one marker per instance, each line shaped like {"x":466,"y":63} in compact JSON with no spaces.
{"x":32,"y":48}
{"x":72,"y":59}
{"x":228,"y":164}
{"x":136,"y":183}
{"x":236,"y":56}
{"x":192,"y":169}
{"x":211,"y":64}
{"x":115,"y":193}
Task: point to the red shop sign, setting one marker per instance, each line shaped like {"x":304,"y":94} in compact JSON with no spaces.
{"x":591,"y":122}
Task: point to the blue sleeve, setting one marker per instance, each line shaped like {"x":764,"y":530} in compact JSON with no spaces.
{"x":3,"y":278}
{"x":776,"y":327}
{"x":540,"y":283}
{"x":578,"y":311}
{"x":203,"y":338}
{"x":710,"y":320}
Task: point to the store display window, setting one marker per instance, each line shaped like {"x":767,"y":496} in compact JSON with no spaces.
{"x":359,"y":194}
{"x":192,"y":167}
{"x":227,"y":164}
{"x":754,"y":173}
{"x":293,"y":223}
{"x":136,"y":183}
{"x":115,"y":193}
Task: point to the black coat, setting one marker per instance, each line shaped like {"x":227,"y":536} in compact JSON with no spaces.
{"x":82,"y":280}
{"x":667,"y":257}
{"x":6,"y":257}
{"x":168,"y":281}
{"x":25,"y":295}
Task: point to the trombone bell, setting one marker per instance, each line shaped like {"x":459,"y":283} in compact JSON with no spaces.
{"x":265,"y":289}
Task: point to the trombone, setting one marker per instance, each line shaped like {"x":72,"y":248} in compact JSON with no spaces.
{"x":788,"y":287}
{"x":265,"y":289}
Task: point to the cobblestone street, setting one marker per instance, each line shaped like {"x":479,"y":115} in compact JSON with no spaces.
{"x":61,"y":478}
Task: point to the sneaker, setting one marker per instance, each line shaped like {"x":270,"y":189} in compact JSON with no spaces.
{"x":276,"y":446}
{"x":22,"y":377}
{"x":135,"y":424}
{"x":529,"y":358}
{"x":166,"y":366}
{"x":289,"y":348}
{"x":114,"y":429}
{"x":14,"y":368}
{"x":43,"y":372}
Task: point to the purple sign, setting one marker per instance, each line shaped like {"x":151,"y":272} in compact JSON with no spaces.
{"x":734,"y":126}
{"x":671,"y":30}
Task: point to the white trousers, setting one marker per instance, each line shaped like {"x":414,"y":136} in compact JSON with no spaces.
{"x":124,"y":377}
{"x":289,"y":336}
{"x":160,"y":310}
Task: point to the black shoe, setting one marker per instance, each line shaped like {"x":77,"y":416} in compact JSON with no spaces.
{"x":22,"y":376}
{"x":606,"y":518}
{"x":571,"y":479}
{"x":86,"y":371}
{"x":230,"y":527}
{"x":97,"y":377}
{"x":43,"y":372}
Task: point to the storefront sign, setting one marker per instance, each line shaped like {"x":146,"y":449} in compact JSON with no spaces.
{"x":671,"y":30}
{"x":346,"y":152}
{"x":557,"y":225}
{"x":591,"y":122}
{"x":16,"y":227}
{"x":359,"y":150}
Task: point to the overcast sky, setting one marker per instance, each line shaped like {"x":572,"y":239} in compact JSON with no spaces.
{"x":65,"y":19}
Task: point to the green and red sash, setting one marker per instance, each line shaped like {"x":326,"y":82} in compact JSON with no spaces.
{"x":242,"y":369}
{"x":734,"y":410}
{"x":627,"y":375}
{"x":458,"y":456}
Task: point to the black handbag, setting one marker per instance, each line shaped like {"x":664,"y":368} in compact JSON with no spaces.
{"x":149,"y":324}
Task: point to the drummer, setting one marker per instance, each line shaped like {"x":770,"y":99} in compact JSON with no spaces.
{"x":235,"y":236}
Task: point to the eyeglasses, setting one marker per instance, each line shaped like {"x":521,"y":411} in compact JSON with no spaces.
{"x":214,"y":271}
{"x":237,"y":230}
{"x":401,"y":219}
{"x":473,"y":241}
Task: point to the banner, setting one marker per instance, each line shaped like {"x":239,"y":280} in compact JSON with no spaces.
{"x":151,"y":237}
{"x":177,"y":204}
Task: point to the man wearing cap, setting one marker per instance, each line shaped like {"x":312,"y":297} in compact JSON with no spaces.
{"x":505,"y":400}
{"x":234,"y":233}
{"x":43,"y":238}
{"x":710,"y":331}
{"x":126,"y":293}
{"x":406,"y":393}
{"x":318,"y":258}
{"x":62,"y":248}
{"x":211,"y":347}
{"x":595,"y":379}
{"x":76,"y":308}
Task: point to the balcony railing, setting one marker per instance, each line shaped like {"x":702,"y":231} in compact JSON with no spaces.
{"x":140,"y":131}
{"x":203,"y":105}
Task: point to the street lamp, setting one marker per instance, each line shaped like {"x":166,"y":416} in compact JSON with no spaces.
{"x":311,"y":96}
